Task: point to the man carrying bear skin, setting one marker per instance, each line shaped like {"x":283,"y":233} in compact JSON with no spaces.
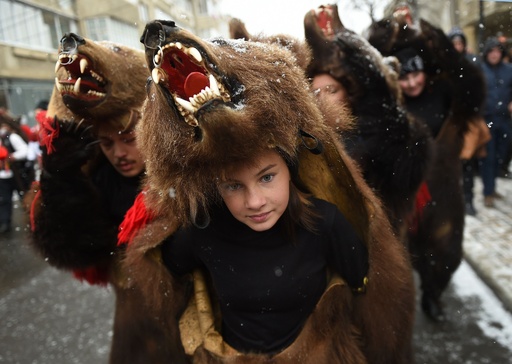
{"x":91,"y":174}
{"x":76,"y":213}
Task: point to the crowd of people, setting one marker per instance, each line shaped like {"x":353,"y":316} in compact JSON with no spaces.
{"x":261,"y":206}
{"x":488,"y":149}
{"x":19,"y":164}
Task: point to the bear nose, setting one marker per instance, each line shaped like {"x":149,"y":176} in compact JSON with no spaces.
{"x":70,"y":42}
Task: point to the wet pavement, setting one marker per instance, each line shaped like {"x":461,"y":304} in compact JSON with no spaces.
{"x":47,"y":316}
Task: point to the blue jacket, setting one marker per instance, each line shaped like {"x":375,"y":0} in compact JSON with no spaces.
{"x":499,"y":91}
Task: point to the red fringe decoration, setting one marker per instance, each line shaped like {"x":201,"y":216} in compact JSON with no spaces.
{"x":93,"y":275}
{"x":40,"y":116}
{"x":135,"y":219}
{"x":423,"y":197}
{"x":47,"y":132}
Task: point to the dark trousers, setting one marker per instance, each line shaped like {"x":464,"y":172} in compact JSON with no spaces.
{"x":497,"y":150}
{"x":6,"y":190}
{"x":468,"y":172}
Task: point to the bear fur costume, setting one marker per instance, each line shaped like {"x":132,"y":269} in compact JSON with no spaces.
{"x":216,"y":101}
{"x":392,"y":149}
{"x":70,"y":227}
{"x":436,"y":242}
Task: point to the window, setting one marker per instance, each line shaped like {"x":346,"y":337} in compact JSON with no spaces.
{"x":161,"y":14}
{"x":28,"y":26}
{"x":143,"y":13}
{"x":202,"y":6}
{"x":184,"y":4}
{"x":105,"y":28}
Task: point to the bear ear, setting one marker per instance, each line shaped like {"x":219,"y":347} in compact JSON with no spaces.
{"x":237,"y":30}
{"x":331,"y":176}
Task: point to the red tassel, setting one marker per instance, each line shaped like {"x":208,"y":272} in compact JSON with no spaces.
{"x":92,"y":275}
{"x":135,"y":219}
{"x":47,"y":132}
{"x":423,"y":197}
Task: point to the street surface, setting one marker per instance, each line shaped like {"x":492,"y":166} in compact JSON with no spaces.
{"x":50,"y":318}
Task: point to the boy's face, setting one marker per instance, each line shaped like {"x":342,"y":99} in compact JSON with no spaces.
{"x":120,"y":148}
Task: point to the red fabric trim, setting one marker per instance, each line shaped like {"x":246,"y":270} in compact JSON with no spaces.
{"x":93,"y":275}
{"x":423,"y":197}
{"x":40,"y":116}
{"x":47,"y":133}
{"x":135,"y":219}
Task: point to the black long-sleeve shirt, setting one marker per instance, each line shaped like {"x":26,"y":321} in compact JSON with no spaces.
{"x":267,"y":286}
{"x":432,"y":106}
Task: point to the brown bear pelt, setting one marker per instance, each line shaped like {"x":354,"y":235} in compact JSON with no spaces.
{"x":71,"y":228}
{"x":255,"y":96}
{"x":436,"y":241}
{"x":97,"y":80}
{"x":392,"y":149}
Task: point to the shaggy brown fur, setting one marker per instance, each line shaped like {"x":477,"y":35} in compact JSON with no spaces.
{"x":263,"y":101}
{"x":71,"y":228}
{"x":436,"y":245}
{"x":392,"y":149}
{"x":110,"y":83}
{"x":77,"y":106}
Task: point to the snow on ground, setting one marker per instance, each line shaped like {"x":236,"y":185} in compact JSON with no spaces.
{"x":467,"y":284}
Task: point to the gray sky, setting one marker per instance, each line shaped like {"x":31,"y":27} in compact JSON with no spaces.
{"x":287,"y":16}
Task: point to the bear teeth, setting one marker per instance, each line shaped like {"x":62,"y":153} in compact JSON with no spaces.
{"x":83,"y":65}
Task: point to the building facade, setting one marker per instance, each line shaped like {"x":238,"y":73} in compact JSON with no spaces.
{"x":30,"y":32}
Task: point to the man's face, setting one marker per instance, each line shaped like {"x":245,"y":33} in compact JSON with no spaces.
{"x":458,"y":44}
{"x":120,"y":148}
{"x":326,"y":87}
{"x":494,"y":56}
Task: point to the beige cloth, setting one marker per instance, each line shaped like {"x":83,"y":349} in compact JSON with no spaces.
{"x":475,"y":139}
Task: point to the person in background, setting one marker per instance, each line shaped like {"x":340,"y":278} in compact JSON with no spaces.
{"x":476,"y":136}
{"x":497,"y":114}
{"x":13,"y":149}
{"x":459,"y":41}
{"x":435,"y":256}
{"x":425,"y":97}
{"x":504,"y":171}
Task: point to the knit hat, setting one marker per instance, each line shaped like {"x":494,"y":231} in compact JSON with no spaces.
{"x":457,"y":33}
{"x":410,"y":61}
{"x":491,"y":43}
